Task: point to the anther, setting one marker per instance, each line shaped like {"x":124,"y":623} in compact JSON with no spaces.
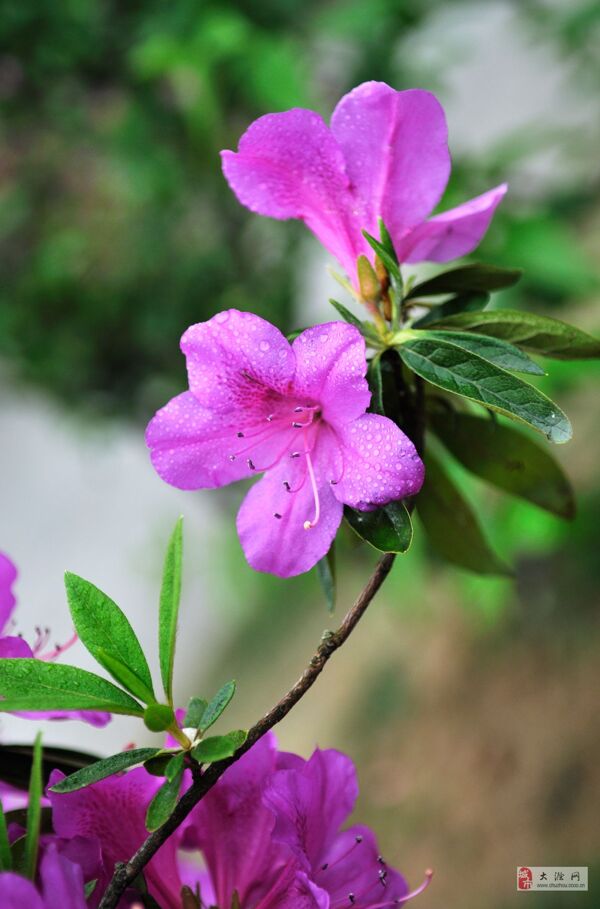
{"x":295,"y":454}
{"x":352,"y":898}
{"x":240,"y":435}
{"x":250,"y":464}
{"x":287,"y":486}
{"x":270,"y":418}
{"x":232,"y":457}
{"x":297,"y":425}
{"x":358,"y":838}
{"x":298,"y":409}
{"x":325,"y":866}
{"x":278,"y":516}
{"x":381,"y":860}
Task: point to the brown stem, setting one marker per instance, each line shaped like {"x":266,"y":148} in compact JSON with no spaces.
{"x":125,"y":874}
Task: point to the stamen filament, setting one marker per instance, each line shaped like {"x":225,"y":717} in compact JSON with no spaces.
{"x":313,"y":482}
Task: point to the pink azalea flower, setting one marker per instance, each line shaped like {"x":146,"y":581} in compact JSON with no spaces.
{"x":384,"y":155}
{"x":295,"y":412}
{"x":14,"y":646}
{"x":61,"y":885}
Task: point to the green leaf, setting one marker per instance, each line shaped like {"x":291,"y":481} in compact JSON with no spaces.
{"x":5,"y":856}
{"x":34,"y":685}
{"x":391,"y":266}
{"x":464,"y":373}
{"x":502,"y":354}
{"x":376,"y":385}
{"x":537,"y":334}
{"x":465,"y":302}
{"x":451,"y":525}
{"x":157,"y":765}
{"x":196,"y":709}
{"x":388,"y":529}
{"x":169,"y":608}
{"x":162,"y":805}
{"x":34,"y":812}
{"x":89,"y":888}
{"x":158,"y":717}
{"x":219,"y":747}
{"x":346,"y":315}
{"x":105,"y":631}
{"x":475,"y":278}
{"x":505,"y":457}
{"x":100,"y":770}
{"x":217,"y":705}
{"x":326,"y":574}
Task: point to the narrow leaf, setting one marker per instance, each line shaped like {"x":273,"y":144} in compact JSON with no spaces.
{"x":464,"y":302}
{"x":103,"y":769}
{"x":392,"y":267}
{"x":219,"y":747}
{"x":326,"y":574}
{"x":157,"y":765}
{"x":196,"y":709}
{"x":346,"y":315}
{"x":501,"y":353}
{"x":477,"y":278}
{"x":376,"y":385}
{"x":451,"y":525}
{"x":505,"y":457}
{"x":169,"y":608}
{"x":105,"y":631}
{"x":34,"y":812}
{"x":217,"y":705}
{"x":5,"y":856}
{"x":388,"y":529}
{"x":464,"y":373}
{"x":537,"y":334}
{"x":89,"y":888}
{"x":162,"y":805}
{"x":34,"y":685}
{"x":125,"y":676}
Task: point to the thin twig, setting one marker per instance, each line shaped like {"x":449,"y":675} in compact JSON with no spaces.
{"x":125,"y":874}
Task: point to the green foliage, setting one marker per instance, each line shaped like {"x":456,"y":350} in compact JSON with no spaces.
{"x":196,"y":709}
{"x":217,"y":705}
{"x":219,"y":747}
{"x":5,"y":856}
{"x":327,"y":577}
{"x":158,"y":717}
{"x":37,"y":686}
{"x":506,"y":458}
{"x":475,"y":278}
{"x":105,"y":631}
{"x":388,"y":529}
{"x":34,"y":812}
{"x":451,"y":525}
{"x":100,"y":770}
{"x":165,"y":800}
{"x":502,"y":354}
{"x":170,"y":596}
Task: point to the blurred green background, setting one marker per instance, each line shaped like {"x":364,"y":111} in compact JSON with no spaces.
{"x":470,"y":705}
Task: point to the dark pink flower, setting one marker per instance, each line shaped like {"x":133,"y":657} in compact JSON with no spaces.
{"x":295,"y":412}
{"x":14,"y":646}
{"x":384,"y":155}
{"x":60,"y":885}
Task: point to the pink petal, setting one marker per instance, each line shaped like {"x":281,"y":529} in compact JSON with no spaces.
{"x":281,"y":545}
{"x":381,"y":464}
{"x":354,"y":866}
{"x":395,"y":145}
{"x":236,"y":360}
{"x":18,"y":893}
{"x":62,"y":882}
{"x":289,"y":165}
{"x":8,"y":575}
{"x":294,"y":890}
{"x":330,"y":369}
{"x":13,"y":647}
{"x":454,"y":233}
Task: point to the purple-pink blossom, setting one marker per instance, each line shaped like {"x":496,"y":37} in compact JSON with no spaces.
{"x":60,"y":885}
{"x":295,"y":412}
{"x":15,"y":646}
{"x":385,"y":155}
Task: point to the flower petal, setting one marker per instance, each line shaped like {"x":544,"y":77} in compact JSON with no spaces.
{"x":294,"y":890}
{"x":234,"y":830}
{"x":454,"y":233}
{"x":91,"y":812}
{"x":12,"y":646}
{"x":236,"y":360}
{"x":281,"y":545}
{"x":8,"y":575}
{"x":380,"y":463}
{"x":310,"y":805}
{"x":18,"y":893}
{"x":395,"y":146}
{"x":330,"y":369}
{"x":62,"y":881}
{"x":289,"y":165}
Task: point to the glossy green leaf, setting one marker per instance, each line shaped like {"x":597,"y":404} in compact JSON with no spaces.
{"x":346,"y":315}
{"x":219,"y":747}
{"x":501,"y":353}
{"x":326,"y":574}
{"x":158,"y":717}
{"x":465,"y":302}
{"x":217,"y":705}
{"x":105,"y":631}
{"x":5,"y":856}
{"x":376,"y":385}
{"x":34,"y":812}
{"x":451,"y":525}
{"x":89,"y":888}
{"x":537,"y":334}
{"x":103,"y":769}
{"x":477,"y":278}
{"x":170,"y":595}
{"x":387,"y":258}
{"x":196,"y":709}
{"x":157,"y":765}
{"x":505,"y":457}
{"x":388,"y":529}
{"x":163,"y":804}
{"x":35,"y":685}
{"x":464,"y":373}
